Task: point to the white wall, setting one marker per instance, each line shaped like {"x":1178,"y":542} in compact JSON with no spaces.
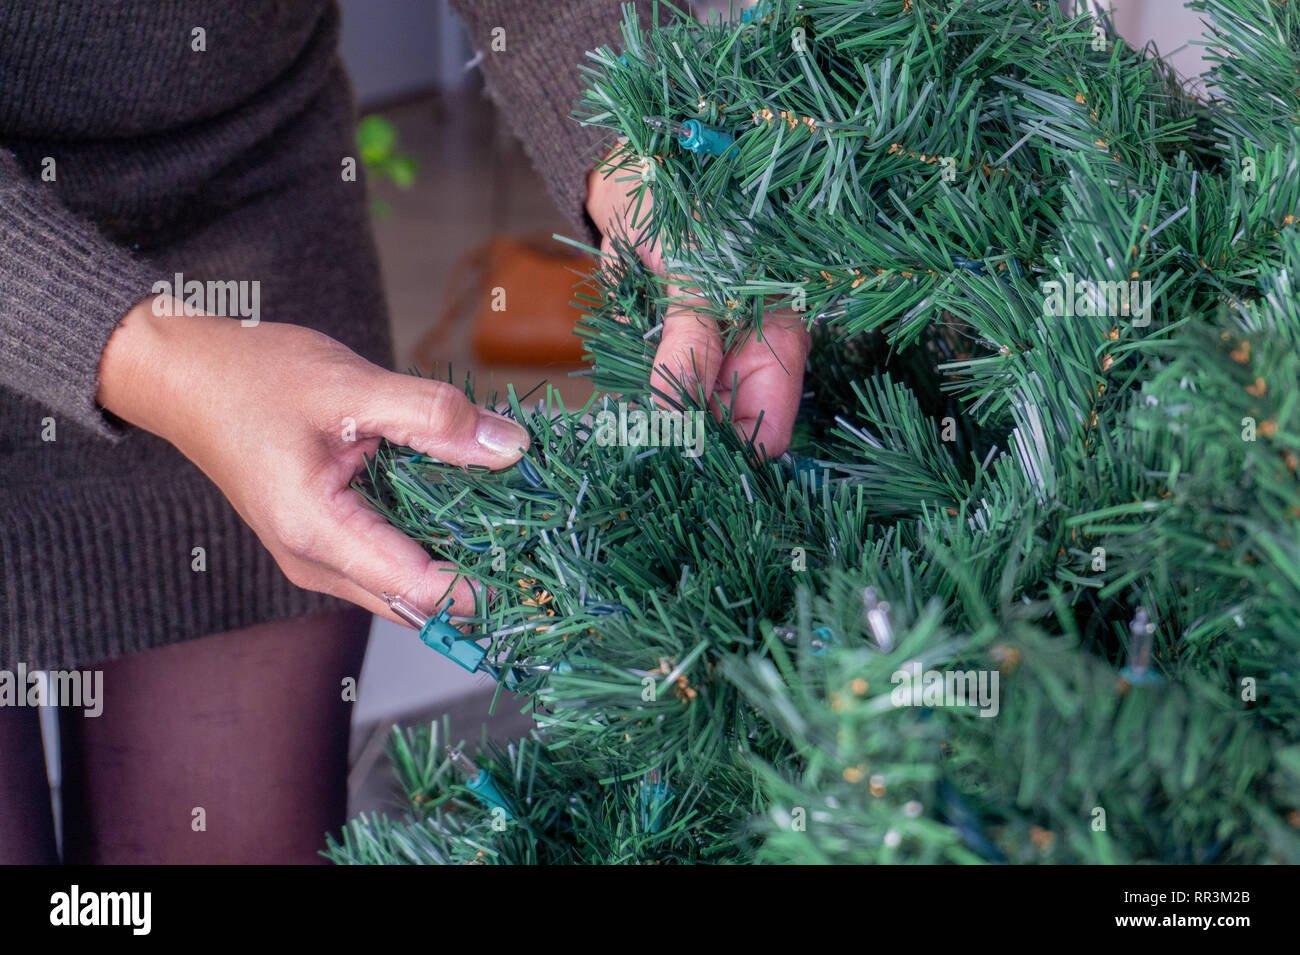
{"x":394,"y":48}
{"x":1171,"y":25}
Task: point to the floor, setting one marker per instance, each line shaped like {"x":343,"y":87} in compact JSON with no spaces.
{"x":474,"y":182}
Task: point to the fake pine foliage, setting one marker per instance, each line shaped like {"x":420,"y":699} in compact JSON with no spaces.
{"x":915,"y":172}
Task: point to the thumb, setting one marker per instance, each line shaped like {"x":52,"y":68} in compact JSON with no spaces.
{"x":437,"y":419}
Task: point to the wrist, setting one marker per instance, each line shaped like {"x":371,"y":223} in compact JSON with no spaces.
{"x":145,"y":355}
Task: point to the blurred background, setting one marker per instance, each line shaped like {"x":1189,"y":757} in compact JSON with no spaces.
{"x":473,"y":217}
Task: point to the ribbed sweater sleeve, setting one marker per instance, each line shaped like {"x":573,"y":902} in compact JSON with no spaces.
{"x":535,"y":83}
{"x":63,"y":290}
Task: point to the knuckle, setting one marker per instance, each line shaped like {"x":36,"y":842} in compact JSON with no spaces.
{"x":299,"y":574}
{"x":652,"y":257}
{"x":443,"y":408}
{"x":294,"y":537}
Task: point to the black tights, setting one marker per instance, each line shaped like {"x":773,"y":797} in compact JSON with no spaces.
{"x":228,"y":749}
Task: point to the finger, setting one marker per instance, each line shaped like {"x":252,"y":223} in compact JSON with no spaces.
{"x":690,"y":350}
{"x":762,"y":383}
{"x":437,"y":419}
{"x":610,"y":264}
{"x":632,"y":234}
{"x":608,"y":258}
{"x":372,"y":558}
{"x":650,"y":249}
{"x":353,"y":593}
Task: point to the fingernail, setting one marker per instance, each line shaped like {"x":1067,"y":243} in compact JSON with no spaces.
{"x":500,"y":435}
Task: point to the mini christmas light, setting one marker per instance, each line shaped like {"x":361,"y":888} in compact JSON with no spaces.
{"x":480,"y":783}
{"x":696,"y":137}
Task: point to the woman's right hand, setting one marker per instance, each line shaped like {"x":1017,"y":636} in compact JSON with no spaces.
{"x":760,"y":380}
{"x":280,"y":418}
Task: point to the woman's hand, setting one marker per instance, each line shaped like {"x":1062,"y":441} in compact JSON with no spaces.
{"x":279,"y":417}
{"x":756,"y":378}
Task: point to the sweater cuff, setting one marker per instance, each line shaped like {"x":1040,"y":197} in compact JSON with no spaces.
{"x":63,"y":291}
{"x":535,"y":83}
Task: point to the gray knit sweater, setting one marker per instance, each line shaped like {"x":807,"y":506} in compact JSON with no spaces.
{"x":128,"y":154}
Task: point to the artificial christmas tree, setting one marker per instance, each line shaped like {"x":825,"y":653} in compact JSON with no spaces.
{"x":1027,"y":586}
